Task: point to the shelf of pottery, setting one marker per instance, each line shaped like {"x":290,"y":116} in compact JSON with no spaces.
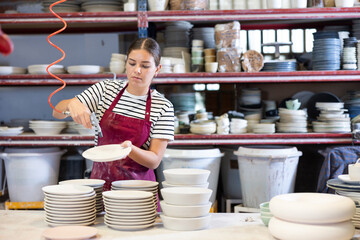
{"x":215,"y":55}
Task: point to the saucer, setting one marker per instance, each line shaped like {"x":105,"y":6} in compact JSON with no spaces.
{"x":346,"y":179}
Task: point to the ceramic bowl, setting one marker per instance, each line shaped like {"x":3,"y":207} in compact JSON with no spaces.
{"x":47,"y":131}
{"x":185,"y":211}
{"x":186,"y":196}
{"x":165,"y":185}
{"x":186,"y":176}
{"x":185,"y":224}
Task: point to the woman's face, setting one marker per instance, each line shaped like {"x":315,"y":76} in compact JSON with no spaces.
{"x":140,"y":68}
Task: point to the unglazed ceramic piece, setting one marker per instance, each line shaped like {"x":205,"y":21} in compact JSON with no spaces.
{"x":70,"y":233}
{"x":106,"y":153}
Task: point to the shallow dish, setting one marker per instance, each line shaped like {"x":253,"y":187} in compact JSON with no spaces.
{"x":185,"y":224}
{"x":165,"y":185}
{"x":106,"y":153}
{"x":69,"y":233}
{"x":346,"y":179}
{"x":185,"y":211}
{"x":186,"y":176}
{"x":188,"y":196}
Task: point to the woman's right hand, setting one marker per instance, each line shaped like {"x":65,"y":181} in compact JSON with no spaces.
{"x":79,"y":112}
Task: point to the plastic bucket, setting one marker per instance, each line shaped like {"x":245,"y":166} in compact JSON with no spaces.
{"x":266,"y":171}
{"x":27,"y":173}
{"x":229,"y":170}
{"x":193,"y":158}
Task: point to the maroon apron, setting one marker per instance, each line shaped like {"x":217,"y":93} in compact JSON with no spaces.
{"x":117,"y":129}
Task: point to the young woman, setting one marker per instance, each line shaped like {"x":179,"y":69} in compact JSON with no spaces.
{"x":130,"y":114}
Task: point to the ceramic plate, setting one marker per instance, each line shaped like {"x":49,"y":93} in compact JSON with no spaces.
{"x":126,"y":217}
{"x":86,"y":182}
{"x":124,"y":194}
{"x":74,"y":210}
{"x":69,"y":214}
{"x":133,"y":227}
{"x":117,"y":212}
{"x":128,"y":201}
{"x":127,"y":222}
{"x":134,"y":207}
{"x":70,"y":233}
{"x":135,"y":184}
{"x":70,"y":218}
{"x":106,"y":153}
{"x":70,"y":197}
{"x":67,"y":189}
{"x":346,"y":179}
{"x":127,"y":204}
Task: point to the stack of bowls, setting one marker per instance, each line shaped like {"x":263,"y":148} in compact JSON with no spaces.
{"x":310,"y":216}
{"x":47,"y":127}
{"x":41,"y":69}
{"x":11,"y":131}
{"x":203,"y":127}
{"x":137,"y":185}
{"x":331,"y":118}
{"x":238,"y":125}
{"x":102,"y":5}
{"x":292,"y":121}
{"x":185,"y":208}
{"x":96,"y":184}
{"x":129,"y":210}
{"x":264,"y":128}
{"x":349,"y":54}
{"x":197,"y":52}
{"x":69,"y":205}
{"x":80,"y":129}
{"x":117,"y":63}
{"x":265,"y":213}
{"x":252,"y":119}
{"x":186,"y":177}
{"x":210,"y":60}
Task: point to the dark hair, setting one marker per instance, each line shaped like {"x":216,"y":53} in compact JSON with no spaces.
{"x":148,"y":44}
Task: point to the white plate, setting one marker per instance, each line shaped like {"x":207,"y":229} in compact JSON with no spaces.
{"x":60,"y":202}
{"x":128,"y":201}
{"x":109,"y":202}
{"x":134,"y":227}
{"x":68,"y":210}
{"x":135,"y":184}
{"x":69,"y":214}
{"x":70,"y":218}
{"x":85,"y":69}
{"x":128,"y":222}
{"x":67,"y":189}
{"x":70,"y":233}
{"x":106,"y":153}
{"x":72,"y":206}
{"x":130,"y":217}
{"x":70,"y":197}
{"x":134,"y":207}
{"x":345,"y":178}
{"x":127,"y":212}
{"x":85,"y":182}
{"x":62,"y":223}
{"x":125,"y":194}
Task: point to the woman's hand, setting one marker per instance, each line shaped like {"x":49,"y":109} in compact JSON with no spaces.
{"x":79,"y":112}
{"x":126,"y":144}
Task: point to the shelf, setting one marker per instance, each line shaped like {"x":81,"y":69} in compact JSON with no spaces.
{"x":190,"y":139}
{"x":122,"y":21}
{"x":190,"y":78}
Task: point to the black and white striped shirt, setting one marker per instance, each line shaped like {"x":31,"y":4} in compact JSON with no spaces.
{"x":99,"y":97}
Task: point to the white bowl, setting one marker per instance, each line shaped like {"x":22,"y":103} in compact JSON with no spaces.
{"x":186,"y":196}
{"x":186,"y":176}
{"x":47,"y":131}
{"x":299,"y":231}
{"x":185,"y":224}
{"x":158,"y":5}
{"x":165,"y":185}
{"x":185,"y":211}
{"x":85,"y":69}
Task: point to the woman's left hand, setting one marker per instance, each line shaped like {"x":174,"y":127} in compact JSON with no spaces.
{"x":126,"y":144}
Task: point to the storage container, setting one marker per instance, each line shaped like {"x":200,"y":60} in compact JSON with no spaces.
{"x":193,"y":158}
{"x":266,"y":171}
{"x":229,"y":169}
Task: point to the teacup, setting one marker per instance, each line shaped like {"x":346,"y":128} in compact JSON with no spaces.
{"x":354,"y":171}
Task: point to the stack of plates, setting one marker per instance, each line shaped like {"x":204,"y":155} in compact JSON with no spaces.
{"x":279,"y":66}
{"x":326,"y":51}
{"x":96,"y":184}
{"x":85,"y":69}
{"x":356,"y":28}
{"x":177,"y":34}
{"x":7,"y":70}
{"x":207,"y":34}
{"x":41,"y":69}
{"x":129,"y":210}
{"x":238,"y":126}
{"x":102,"y":5}
{"x":264,"y":128}
{"x":81,"y":129}
{"x":11,"y":131}
{"x":137,"y":185}
{"x":292,"y":121}
{"x":174,"y":52}
{"x":69,"y":205}
{"x":331,"y":118}
{"x":47,"y":127}
{"x":68,"y":6}
{"x":203,"y":127}
{"x":349,"y":188}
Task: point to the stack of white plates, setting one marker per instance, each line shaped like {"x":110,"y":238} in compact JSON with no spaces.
{"x":129,"y":210}
{"x":85,"y":69}
{"x":7,"y":70}
{"x":47,"y":127}
{"x":238,"y":125}
{"x":68,"y":6}
{"x":117,"y":63}
{"x":102,"y":5}
{"x":203,"y":127}
{"x":137,"y":185}
{"x":293,"y":121}
{"x":331,"y":118}
{"x":96,"y":184}
{"x":175,"y":52}
{"x":80,"y":129}
{"x":69,"y":205}
{"x":41,"y":69}
{"x":11,"y":131}
{"x":264,"y":128}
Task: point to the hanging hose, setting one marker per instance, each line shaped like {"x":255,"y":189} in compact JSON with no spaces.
{"x":63,"y":53}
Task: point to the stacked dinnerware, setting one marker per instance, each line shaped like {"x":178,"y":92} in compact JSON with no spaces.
{"x":203,"y":126}
{"x":222,"y":124}
{"x":311,"y":216}
{"x":41,"y":69}
{"x":207,"y":34}
{"x":117,"y":63}
{"x":137,"y":185}
{"x":197,"y":58}
{"x":177,"y":34}
{"x":185,"y":208}
{"x":7,"y":70}
{"x":69,"y":205}
{"x":166,"y":65}
{"x":349,"y":54}
{"x":68,"y":6}
{"x":292,"y":121}
{"x":42,"y":127}
{"x":11,"y":131}
{"x":331,"y":118}
{"x":347,"y":187}
{"x":279,"y":66}
{"x":265,"y":213}
{"x":252,"y":120}
{"x":80,"y":128}
{"x":85,"y":69}
{"x":96,"y":184}
{"x":129,"y":210}
{"x":264,"y":128}
{"x":186,"y":177}
{"x":102,"y":5}
{"x":238,"y":125}
{"x":326,"y":51}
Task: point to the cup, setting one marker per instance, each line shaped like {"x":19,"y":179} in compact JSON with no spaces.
{"x":211,"y":67}
{"x":298,"y":3}
{"x":354,"y":171}
{"x":129,"y":7}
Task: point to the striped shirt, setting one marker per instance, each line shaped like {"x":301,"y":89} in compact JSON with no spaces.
{"x":99,"y":97}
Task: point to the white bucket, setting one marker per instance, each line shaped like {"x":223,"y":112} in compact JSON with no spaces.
{"x":266,"y":171}
{"x":193,"y":158}
{"x":27,"y":173}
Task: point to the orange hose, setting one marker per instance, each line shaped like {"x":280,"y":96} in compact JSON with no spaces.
{"x":63,"y":53}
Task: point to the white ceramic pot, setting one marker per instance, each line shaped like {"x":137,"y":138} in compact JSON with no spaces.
{"x":185,"y":224}
{"x":186,"y":196}
{"x":185,"y":211}
{"x":186,"y":176}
